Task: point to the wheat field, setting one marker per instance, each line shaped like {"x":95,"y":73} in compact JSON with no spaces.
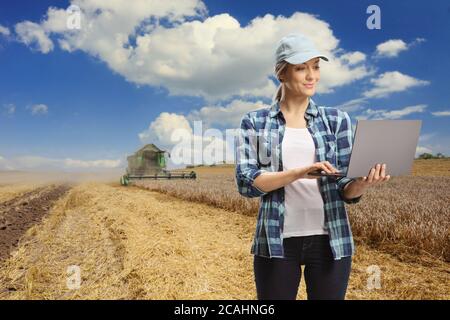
{"x":191,"y":240}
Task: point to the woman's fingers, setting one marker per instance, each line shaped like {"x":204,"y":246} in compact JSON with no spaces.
{"x":371,"y":174}
{"x":330,"y":167}
{"x":383,"y":176}
{"x":383,"y":172}
{"x":378,"y":174}
{"x":320,"y":166}
{"x":325,"y":168}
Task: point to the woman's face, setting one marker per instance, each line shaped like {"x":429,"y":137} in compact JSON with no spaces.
{"x":301,"y":79}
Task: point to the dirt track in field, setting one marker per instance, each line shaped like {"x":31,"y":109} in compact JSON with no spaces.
{"x":19,"y":214}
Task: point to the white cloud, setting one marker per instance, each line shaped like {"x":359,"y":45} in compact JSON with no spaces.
{"x":426,"y":136}
{"x":189,"y":144}
{"x":434,"y":143}
{"x":4,"y":165}
{"x":4,"y":31}
{"x":390,"y":114}
{"x":441,"y":113}
{"x":161,"y":129}
{"x":37,"y":109}
{"x":74,"y":163}
{"x":199,"y":126}
{"x":214,"y":117}
{"x":33,"y":35}
{"x":103,"y":22}
{"x":38,"y":162}
{"x":352,"y":105}
{"x":9,"y":109}
{"x":420,"y":150}
{"x":212,"y":57}
{"x":417,"y":41}
{"x":353,"y":58}
{"x":390,"y":82}
{"x":225,"y":116}
{"x":210,"y":116}
{"x":385,"y":84}
{"x":391,"y":48}
{"x":29,"y":162}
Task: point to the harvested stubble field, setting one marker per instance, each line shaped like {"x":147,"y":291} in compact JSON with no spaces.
{"x":191,"y":240}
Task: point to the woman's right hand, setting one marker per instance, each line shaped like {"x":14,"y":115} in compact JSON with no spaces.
{"x":317,"y":166}
{"x":269,"y":181}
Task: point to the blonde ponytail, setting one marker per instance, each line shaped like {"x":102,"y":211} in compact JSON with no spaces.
{"x":279,"y":70}
{"x":278,"y":93}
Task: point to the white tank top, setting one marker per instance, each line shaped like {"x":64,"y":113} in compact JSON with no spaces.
{"x":305,"y":214}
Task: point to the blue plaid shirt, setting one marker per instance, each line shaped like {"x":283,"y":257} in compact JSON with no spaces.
{"x":332,"y":133}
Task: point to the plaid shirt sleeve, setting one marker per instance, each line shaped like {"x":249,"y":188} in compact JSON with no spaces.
{"x":344,"y":143}
{"x":247,"y":166}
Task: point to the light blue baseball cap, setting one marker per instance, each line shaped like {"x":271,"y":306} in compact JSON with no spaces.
{"x":295,"y":48}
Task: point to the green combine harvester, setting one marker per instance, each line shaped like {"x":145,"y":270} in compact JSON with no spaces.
{"x":149,"y":162}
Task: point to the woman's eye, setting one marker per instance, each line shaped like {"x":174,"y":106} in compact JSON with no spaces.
{"x":302,"y":69}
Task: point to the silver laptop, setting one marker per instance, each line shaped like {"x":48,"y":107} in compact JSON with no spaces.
{"x":392,"y":142}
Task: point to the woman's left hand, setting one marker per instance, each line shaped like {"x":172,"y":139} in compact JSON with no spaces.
{"x":376,"y":175}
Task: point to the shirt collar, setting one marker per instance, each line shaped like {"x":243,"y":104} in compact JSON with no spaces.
{"x":310,"y":110}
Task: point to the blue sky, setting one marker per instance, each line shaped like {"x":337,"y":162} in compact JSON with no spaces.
{"x":84,"y":99}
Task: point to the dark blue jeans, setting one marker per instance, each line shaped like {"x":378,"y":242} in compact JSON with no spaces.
{"x":325,"y":278}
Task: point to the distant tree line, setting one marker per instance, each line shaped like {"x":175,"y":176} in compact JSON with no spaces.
{"x":427,"y":155}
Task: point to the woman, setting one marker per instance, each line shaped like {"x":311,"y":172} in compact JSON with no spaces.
{"x":302,"y":218}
